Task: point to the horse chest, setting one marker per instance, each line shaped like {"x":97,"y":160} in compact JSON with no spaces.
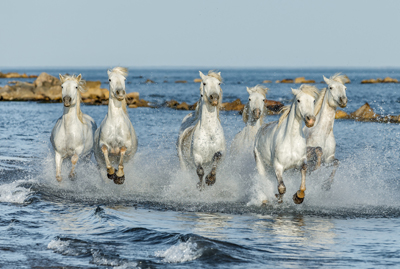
{"x":209,"y":140}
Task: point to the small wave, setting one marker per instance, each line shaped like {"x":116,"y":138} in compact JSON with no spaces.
{"x":182,"y":252}
{"x":15,"y":193}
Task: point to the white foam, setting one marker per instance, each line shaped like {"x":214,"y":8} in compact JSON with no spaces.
{"x":59,"y":246}
{"x":14,"y":193}
{"x":183,"y":252}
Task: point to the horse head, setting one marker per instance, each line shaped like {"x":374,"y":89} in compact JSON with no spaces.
{"x":337,"y":90}
{"x":117,"y":78}
{"x":304,"y":101}
{"x":256,"y":104}
{"x":70,"y":87}
{"x":210,"y":88}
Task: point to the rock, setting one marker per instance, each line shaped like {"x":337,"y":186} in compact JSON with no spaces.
{"x":346,"y":79}
{"x":389,"y":80}
{"x":149,"y":81}
{"x":303,"y":80}
{"x":172,"y":103}
{"x":132,"y":106}
{"x":379,"y":80}
{"x":286,"y":80}
{"x":365,"y":112}
{"x":16,"y":75}
{"x":266,"y":81}
{"x":165,"y":81}
{"x":181,"y":81}
{"x":234,"y":106}
{"x":273,"y":106}
{"x":45,"y":79}
{"x":193,"y":107}
{"x":182,"y":106}
{"x":340,"y":114}
{"x":196,"y":80}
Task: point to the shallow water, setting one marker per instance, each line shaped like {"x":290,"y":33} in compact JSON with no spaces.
{"x":159,"y":219}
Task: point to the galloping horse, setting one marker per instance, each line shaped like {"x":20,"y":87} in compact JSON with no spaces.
{"x":321,"y":144}
{"x":253,"y":115}
{"x":72,"y":136}
{"x":116,"y":137}
{"x":282,"y":145}
{"x":201,"y":141}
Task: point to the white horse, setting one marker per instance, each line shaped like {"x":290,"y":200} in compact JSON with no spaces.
{"x":201,"y":141}
{"x":281,"y":145}
{"x":115,"y":139}
{"x":72,"y":136}
{"x":253,"y":114}
{"x":321,"y":144}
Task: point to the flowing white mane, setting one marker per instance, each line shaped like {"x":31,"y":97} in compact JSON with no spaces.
{"x":305,"y":88}
{"x":123,"y":71}
{"x":338,"y":77}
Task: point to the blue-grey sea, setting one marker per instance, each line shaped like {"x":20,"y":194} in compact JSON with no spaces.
{"x":159,"y":219}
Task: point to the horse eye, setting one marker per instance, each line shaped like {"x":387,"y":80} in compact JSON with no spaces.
{"x":204,"y":84}
{"x":219,"y":83}
{"x":109,"y":79}
{"x":298,"y":101}
{"x":249,"y":99}
{"x":76,"y":87}
{"x":330,"y":88}
{"x":263,"y":100}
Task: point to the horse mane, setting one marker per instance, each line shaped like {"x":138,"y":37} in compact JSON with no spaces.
{"x":305,"y":88}
{"x":319,"y":101}
{"x":214,"y":74}
{"x":338,"y":77}
{"x":261,"y":90}
{"x":123,"y":71}
{"x":81,"y":88}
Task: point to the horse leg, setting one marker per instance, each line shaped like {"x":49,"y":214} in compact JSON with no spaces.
{"x":281,"y":185}
{"x":314,"y":156}
{"x":58,"y":166}
{"x":298,"y":197}
{"x":328,"y":183}
{"x":200,"y":173}
{"x":120,"y":173}
{"x":260,"y":165}
{"x":212,"y":176}
{"x":110,"y":170}
{"x":74,"y":160}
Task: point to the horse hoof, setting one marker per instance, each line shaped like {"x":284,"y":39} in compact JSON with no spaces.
{"x":210,"y":180}
{"x":119,"y":180}
{"x":111,"y":176}
{"x":279,"y":197}
{"x":59,"y":178}
{"x":297,"y":200}
{"x":72,"y":176}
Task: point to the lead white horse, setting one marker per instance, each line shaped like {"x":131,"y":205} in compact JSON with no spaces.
{"x":201,"y":142}
{"x":115,"y":139}
{"x":253,"y":114}
{"x":72,"y":136}
{"x":281,"y":145}
{"x":321,"y":144}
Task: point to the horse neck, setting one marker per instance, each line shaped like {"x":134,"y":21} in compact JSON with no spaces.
{"x":71,"y":113}
{"x":292,"y":125}
{"x":326,"y":116}
{"x":116,"y":108}
{"x":208,"y":115}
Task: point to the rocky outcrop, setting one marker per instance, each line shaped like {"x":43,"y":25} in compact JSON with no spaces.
{"x":303,"y":80}
{"x":180,"y":81}
{"x":197,"y":80}
{"x":286,"y":80}
{"x":16,"y":75}
{"x":233,"y":106}
{"x":340,"y":114}
{"x":379,"y":80}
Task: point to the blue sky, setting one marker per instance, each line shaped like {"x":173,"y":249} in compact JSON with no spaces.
{"x":200,"y":33}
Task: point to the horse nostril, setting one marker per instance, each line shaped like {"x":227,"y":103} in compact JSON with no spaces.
{"x":308,"y":118}
{"x":117,"y":92}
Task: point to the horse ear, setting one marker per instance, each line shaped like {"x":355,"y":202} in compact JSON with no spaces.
{"x":62,"y":79}
{"x":79,"y":77}
{"x":108,"y":72}
{"x":295,"y":92}
{"x":219,"y":73}
{"x":248,"y":90}
{"x":265,"y":90}
{"x":203,"y":77}
{"x":326,"y":80}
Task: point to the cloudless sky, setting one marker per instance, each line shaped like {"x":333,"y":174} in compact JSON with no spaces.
{"x":200,"y":33}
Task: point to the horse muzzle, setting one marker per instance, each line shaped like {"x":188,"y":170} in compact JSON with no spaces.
{"x":342,"y":102}
{"x":120,"y":95}
{"x":67,"y":101}
{"x":257,"y":113}
{"x":214,"y":99}
{"x":309,"y":121}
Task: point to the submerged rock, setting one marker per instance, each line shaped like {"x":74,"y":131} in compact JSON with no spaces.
{"x":303,"y":80}
{"x":197,"y":80}
{"x":379,"y":80}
